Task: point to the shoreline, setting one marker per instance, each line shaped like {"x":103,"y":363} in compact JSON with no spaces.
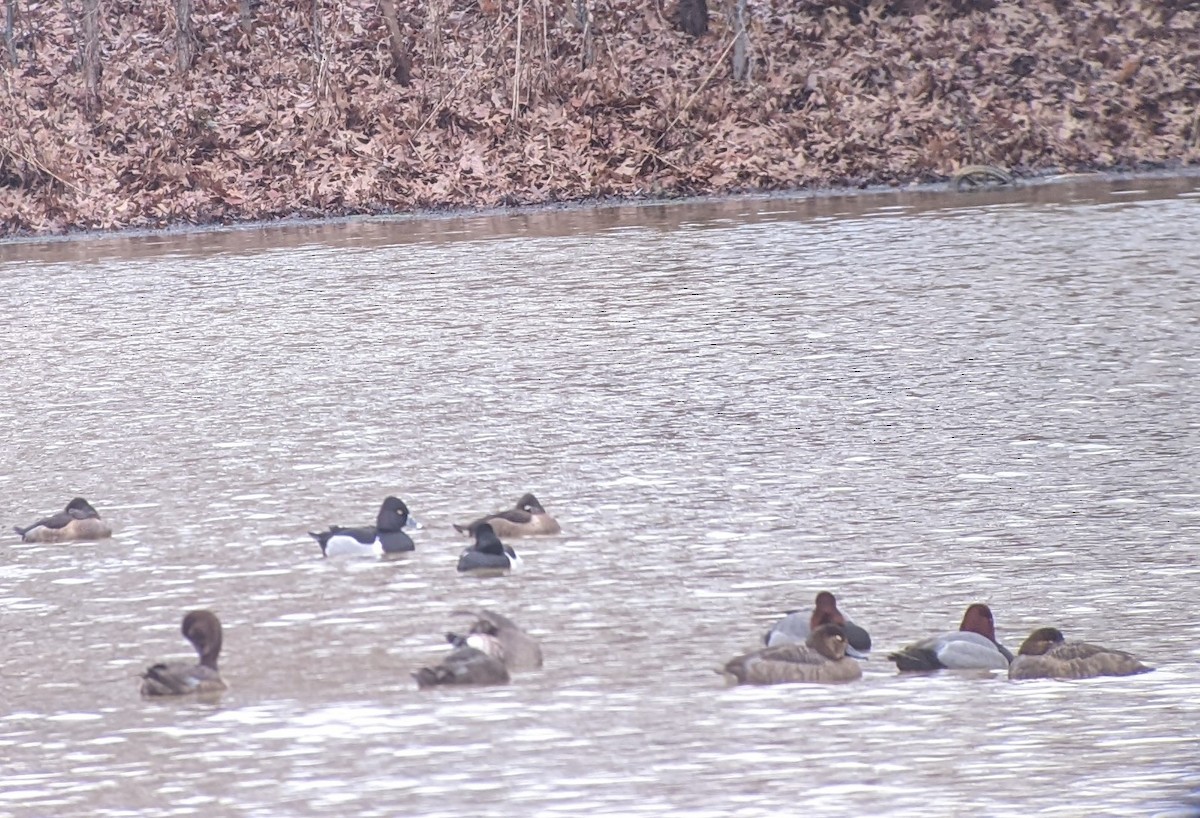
{"x":301,"y":114}
{"x":1048,"y":181}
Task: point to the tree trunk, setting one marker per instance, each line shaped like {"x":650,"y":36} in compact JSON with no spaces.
{"x":185,"y":40}
{"x":585,"y":26}
{"x":401,"y":61}
{"x":91,"y":51}
{"x":741,"y":45}
{"x":244,"y":19}
{"x":693,"y":16}
{"x":10,"y":22}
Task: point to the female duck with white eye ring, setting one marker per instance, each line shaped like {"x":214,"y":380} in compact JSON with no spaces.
{"x":488,"y":554}
{"x":387,"y":536}
{"x":526,"y":518}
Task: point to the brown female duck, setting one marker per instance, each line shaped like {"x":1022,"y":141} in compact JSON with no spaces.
{"x":1047,"y":655}
{"x":78,"y":521}
{"x":822,"y":658}
{"x":203,"y":630}
{"x":525,"y":519}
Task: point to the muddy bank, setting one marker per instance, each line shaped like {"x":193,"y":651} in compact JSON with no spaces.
{"x":303,"y":113}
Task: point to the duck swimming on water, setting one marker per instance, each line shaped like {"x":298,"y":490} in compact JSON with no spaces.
{"x":797,"y":625}
{"x":387,"y":536}
{"x":203,"y":630}
{"x":78,"y":521}
{"x":526,"y":518}
{"x":488,"y":553}
{"x":822,"y":658}
{"x":520,"y":650}
{"x":1046,"y":654}
{"x":972,"y":646}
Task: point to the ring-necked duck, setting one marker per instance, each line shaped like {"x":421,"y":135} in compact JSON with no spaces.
{"x":822,"y":658}
{"x":521,"y":651}
{"x":797,"y":625}
{"x":972,"y":646}
{"x":203,"y":630}
{"x":488,"y":553}
{"x":387,"y":536}
{"x":78,"y":521}
{"x":525,"y":519}
{"x":1047,"y":655}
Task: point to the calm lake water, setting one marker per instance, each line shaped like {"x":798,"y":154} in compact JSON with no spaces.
{"x":914,"y":400}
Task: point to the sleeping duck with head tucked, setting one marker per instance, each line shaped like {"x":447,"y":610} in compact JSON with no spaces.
{"x":78,"y":521}
{"x":821,"y":659}
{"x":525,"y":519}
{"x":203,"y":630}
{"x":1046,"y":654}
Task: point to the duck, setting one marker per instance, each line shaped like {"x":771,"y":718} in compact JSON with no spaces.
{"x":796,"y":627}
{"x":387,"y":536}
{"x":488,"y":553}
{"x":479,"y":663}
{"x":823,"y":658}
{"x":203,"y":630}
{"x":78,"y":521}
{"x":519,"y":650}
{"x":972,"y":647}
{"x":526,"y":518}
{"x":1046,"y":654}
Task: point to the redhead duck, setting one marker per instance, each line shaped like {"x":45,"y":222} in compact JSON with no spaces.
{"x":203,"y":630}
{"x":520,"y":650}
{"x":78,"y":521}
{"x":822,"y":658}
{"x":794,"y":628}
{"x":488,"y":553}
{"x":972,"y":646}
{"x":480,"y":662}
{"x":1047,"y":655}
{"x":387,"y":536}
{"x":526,"y":519}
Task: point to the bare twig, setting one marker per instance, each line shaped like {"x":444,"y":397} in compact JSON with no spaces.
{"x":29,"y":160}
{"x":516,"y":98}
{"x":463,"y":77}
{"x":696,"y":93}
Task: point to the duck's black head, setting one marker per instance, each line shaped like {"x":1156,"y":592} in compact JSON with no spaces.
{"x":486,"y":539}
{"x":81,"y":508}
{"x":530,"y":503}
{"x":393,"y":514}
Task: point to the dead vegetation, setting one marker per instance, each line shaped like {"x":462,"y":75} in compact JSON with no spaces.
{"x":333,"y":107}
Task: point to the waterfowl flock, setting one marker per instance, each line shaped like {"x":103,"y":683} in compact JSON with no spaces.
{"x":820,"y":646}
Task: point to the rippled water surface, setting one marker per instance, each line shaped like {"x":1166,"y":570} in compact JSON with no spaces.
{"x":914,"y":400}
